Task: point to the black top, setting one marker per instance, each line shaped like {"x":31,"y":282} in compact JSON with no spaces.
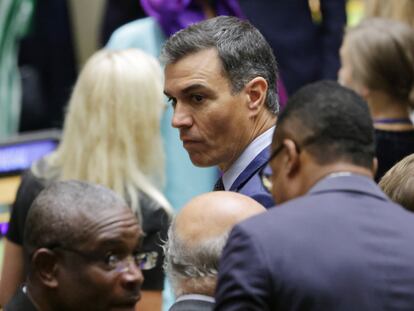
{"x":155,"y":223}
{"x":392,"y":146}
{"x":20,"y":302}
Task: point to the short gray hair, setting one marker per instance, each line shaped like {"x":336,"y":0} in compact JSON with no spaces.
{"x":243,"y":51}
{"x":196,"y":265}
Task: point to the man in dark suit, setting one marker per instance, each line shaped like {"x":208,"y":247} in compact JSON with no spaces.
{"x":82,"y":245}
{"x":220,"y":78}
{"x":337,"y":243}
{"x":195,"y":241}
{"x":306,"y":50}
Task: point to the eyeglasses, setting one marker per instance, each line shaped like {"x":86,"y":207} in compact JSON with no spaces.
{"x":117,"y":262}
{"x":266,"y":173}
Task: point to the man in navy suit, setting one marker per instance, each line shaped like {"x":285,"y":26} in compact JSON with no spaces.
{"x":220,"y":78}
{"x":337,"y":242}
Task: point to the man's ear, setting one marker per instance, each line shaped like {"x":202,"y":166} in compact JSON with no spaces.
{"x":256,"y":90}
{"x":293,"y":162}
{"x":374,"y":166}
{"x":45,"y":266}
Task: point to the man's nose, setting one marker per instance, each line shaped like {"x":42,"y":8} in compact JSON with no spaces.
{"x":181,"y":117}
{"x":132,"y":278}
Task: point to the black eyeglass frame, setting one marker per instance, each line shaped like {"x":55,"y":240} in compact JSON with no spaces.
{"x":139,"y":259}
{"x":265,"y":178}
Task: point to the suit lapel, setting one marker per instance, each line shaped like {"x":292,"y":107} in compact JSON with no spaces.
{"x":255,"y":166}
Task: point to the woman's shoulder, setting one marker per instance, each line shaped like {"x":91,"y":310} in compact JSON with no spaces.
{"x":30,"y":186}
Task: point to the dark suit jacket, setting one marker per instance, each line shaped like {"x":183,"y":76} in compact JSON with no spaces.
{"x":343,"y":246}
{"x":192,"y":305}
{"x":249,"y":183}
{"x":20,"y":302}
{"x":305,"y":51}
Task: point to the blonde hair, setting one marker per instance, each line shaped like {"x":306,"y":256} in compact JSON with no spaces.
{"x":398,"y":182}
{"x":381,"y":53}
{"x":112,"y":128}
{"x":400,"y":10}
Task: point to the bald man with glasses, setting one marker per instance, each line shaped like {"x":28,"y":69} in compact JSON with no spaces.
{"x":83,"y":249}
{"x":335,"y":241}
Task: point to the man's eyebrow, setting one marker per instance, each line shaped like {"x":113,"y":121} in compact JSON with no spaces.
{"x":189,"y":89}
{"x":193,"y":87}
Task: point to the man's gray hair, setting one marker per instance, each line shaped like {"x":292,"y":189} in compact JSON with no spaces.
{"x":243,"y":51}
{"x":196,"y":265}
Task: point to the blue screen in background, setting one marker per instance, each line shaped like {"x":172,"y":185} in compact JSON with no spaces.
{"x":18,"y":157}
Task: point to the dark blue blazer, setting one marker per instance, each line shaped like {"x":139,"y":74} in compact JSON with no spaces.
{"x":305,"y":51}
{"x":249,"y":183}
{"x":20,"y":302}
{"x":342,"y":247}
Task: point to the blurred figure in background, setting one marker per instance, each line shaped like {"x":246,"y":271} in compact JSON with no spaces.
{"x":48,"y":64}
{"x":306,"y":50}
{"x":118,"y":13}
{"x":111,"y":137}
{"x":398,"y":182}
{"x":378,"y":63}
{"x":14,"y":22}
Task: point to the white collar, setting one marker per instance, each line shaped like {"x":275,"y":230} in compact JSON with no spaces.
{"x":195,"y":297}
{"x":247,"y":156}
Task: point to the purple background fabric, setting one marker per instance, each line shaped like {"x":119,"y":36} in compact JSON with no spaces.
{"x":174,"y":15}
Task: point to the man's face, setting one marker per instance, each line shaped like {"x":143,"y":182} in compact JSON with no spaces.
{"x":285,"y":179}
{"x":214,"y":123}
{"x":90,"y":284}
{"x":278,"y":179}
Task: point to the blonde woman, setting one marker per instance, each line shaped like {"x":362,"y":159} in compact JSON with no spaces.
{"x":377,"y":59}
{"x":111,"y":137}
{"x":398,"y":183}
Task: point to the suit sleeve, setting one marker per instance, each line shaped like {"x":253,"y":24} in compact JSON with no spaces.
{"x":333,"y":24}
{"x":243,"y":281}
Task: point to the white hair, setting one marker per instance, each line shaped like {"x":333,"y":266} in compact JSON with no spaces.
{"x":192,"y":268}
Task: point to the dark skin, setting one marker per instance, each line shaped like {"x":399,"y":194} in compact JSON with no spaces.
{"x":65,"y":280}
{"x":295,"y":170}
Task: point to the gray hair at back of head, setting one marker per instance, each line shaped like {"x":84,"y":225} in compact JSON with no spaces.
{"x":242,"y":49}
{"x":195,"y":265}
{"x":53,"y":218}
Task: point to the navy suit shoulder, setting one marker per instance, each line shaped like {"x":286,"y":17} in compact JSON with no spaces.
{"x":343,"y":246}
{"x":20,"y":302}
{"x":249,"y":183}
{"x":192,"y":305}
